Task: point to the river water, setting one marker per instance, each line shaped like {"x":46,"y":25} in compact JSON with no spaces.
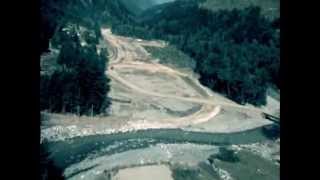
{"x":71,"y":151}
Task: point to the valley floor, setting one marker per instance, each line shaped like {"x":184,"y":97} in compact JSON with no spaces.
{"x":149,"y":95}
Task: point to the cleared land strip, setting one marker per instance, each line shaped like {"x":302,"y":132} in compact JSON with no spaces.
{"x":127,"y":57}
{"x":130,"y":85}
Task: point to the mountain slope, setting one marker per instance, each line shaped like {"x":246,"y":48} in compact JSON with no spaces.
{"x":55,"y":14}
{"x":270,"y":8}
{"x":138,"y":6}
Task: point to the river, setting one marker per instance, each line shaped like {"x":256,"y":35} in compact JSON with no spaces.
{"x":71,"y":151}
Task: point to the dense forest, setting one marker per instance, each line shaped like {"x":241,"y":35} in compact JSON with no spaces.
{"x":79,"y":83}
{"x":55,"y":14}
{"x":236,"y":51}
{"x":269,"y":8}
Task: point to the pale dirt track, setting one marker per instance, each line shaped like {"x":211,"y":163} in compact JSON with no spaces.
{"x":130,"y":54}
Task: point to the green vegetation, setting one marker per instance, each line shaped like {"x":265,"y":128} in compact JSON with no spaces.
{"x":56,"y":14}
{"x":138,"y":6}
{"x":250,"y":166}
{"x":270,"y":8}
{"x":180,"y":173}
{"x":236,"y":51}
{"x":185,"y":174}
{"x":204,"y":171}
{"x":171,"y":56}
{"x":79,"y":85}
{"x":225,"y":154}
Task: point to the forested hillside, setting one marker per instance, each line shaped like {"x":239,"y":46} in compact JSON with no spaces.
{"x":269,"y":8}
{"x":138,"y":6}
{"x":72,"y":27}
{"x":79,"y":85}
{"x":237,"y":51}
{"x":55,"y":14}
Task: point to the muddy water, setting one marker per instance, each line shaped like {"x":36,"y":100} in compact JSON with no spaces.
{"x":68,"y":152}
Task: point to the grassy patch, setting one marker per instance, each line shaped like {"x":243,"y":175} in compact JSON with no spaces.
{"x":171,"y":56}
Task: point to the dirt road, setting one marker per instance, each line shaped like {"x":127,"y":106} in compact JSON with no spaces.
{"x":130,"y":54}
